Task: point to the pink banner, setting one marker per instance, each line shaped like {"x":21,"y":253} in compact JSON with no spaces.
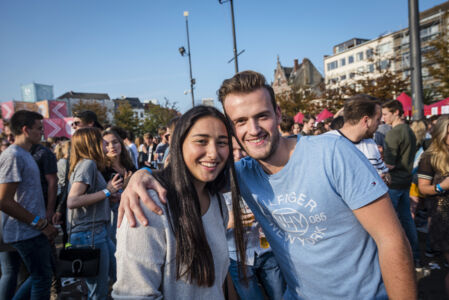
{"x":58,"y":127}
{"x":7,"y":110}
{"x":58,"y":109}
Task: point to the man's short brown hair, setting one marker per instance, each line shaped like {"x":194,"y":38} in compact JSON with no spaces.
{"x":394,"y":105}
{"x":286,"y":123}
{"x":244,"y":83}
{"x":358,"y":106}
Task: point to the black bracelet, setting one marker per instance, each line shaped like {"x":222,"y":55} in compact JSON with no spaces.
{"x":43,"y":226}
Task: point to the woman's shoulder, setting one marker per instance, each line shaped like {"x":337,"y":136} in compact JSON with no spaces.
{"x":86,"y":163}
{"x":155,"y":220}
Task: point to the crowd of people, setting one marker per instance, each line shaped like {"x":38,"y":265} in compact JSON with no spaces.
{"x":241,"y":205}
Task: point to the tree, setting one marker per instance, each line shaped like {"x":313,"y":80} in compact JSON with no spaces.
{"x":308,"y":102}
{"x":157,"y":116}
{"x":124,"y":117}
{"x":438,"y":66}
{"x":94,"y":106}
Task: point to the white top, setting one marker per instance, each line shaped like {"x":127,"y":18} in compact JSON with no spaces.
{"x":369,"y":148}
{"x":146,"y":257}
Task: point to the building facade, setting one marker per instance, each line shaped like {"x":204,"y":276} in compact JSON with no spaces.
{"x":359,"y":58}
{"x":36,"y":91}
{"x":72,"y":98}
{"x":304,"y":76}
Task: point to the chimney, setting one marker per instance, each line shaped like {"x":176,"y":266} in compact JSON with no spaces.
{"x":296,"y":65}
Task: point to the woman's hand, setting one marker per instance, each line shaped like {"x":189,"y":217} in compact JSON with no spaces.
{"x":115,"y":184}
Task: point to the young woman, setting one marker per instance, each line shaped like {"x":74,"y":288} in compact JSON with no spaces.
{"x":183,"y":254}
{"x":118,"y":162}
{"x":433,"y":181}
{"x":89,"y":212}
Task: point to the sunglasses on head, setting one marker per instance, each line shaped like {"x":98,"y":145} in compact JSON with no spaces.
{"x":76,"y":123}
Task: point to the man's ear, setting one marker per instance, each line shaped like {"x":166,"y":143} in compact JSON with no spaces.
{"x":24,"y":129}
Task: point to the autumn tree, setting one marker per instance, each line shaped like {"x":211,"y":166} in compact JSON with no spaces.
{"x":124,"y":117}
{"x":157,"y":115}
{"x":438,"y":64}
{"x":94,"y":106}
{"x":306,"y":101}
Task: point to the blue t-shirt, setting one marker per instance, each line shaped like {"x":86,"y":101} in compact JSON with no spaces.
{"x":306,"y":213}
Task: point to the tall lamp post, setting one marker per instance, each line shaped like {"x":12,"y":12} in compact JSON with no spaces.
{"x":415,"y":57}
{"x":236,"y":63}
{"x":182,"y":51}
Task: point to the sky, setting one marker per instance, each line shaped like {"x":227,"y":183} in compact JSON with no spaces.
{"x":130,"y":48}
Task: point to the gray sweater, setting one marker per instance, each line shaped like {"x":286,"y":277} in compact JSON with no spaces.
{"x":146,"y":257}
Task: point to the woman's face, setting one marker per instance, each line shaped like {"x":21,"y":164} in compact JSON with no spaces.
{"x":113,"y":147}
{"x":205,"y":149}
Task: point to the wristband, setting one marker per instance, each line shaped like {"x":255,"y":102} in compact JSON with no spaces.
{"x":148,"y":169}
{"x":107,"y":193}
{"x":438,"y":188}
{"x":35,"y":221}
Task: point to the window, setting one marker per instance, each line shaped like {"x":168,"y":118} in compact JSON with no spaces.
{"x":370,"y":68}
{"x":384,"y":48}
{"x":369,"y":53}
{"x":351,"y":75}
{"x":343,"y":77}
{"x":384,"y":64}
{"x":359,"y":56}
{"x":332,"y":65}
{"x":406,"y":60}
{"x":350,"y":59}
{"x":342,"y":62}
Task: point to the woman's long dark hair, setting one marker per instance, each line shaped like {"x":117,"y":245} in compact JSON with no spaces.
{"x":193,"y":255}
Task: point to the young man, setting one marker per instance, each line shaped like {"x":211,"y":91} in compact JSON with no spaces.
{"x":331,"y":226}
{"x":84,"y":119}
{"x":309,"y":122}
{"x":399,"y":154}
{"x":362,"y":116}
{"x":24,"y":221}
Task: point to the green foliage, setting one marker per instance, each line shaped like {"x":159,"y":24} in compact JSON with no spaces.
{"x":124,"y":117}
{"x":157,"y":116}
{"x":94,"y":106}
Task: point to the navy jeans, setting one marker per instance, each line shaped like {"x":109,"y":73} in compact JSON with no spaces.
{"x":37,"y":257}
{"x":401,"y":203}
{"x":265,"y":271}
{"x":10,"y":265}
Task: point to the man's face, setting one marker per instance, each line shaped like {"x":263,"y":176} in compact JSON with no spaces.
{"x":168,"y":136}
{"x":255,"y":122}
{"x":388,"y":116}
{"x":77,"y":123}
{"x":309,"y":125}
{"x":373,"y":123}
{"x":35,"y":132}
{"x":147,"y":140}
{"x":9,"y":135}
{"x":296,"y":128}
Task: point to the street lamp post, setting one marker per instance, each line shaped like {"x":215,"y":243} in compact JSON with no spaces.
{"x":415,"y":58}
{"x":236,"y":63}
{"x":182,"y":51}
